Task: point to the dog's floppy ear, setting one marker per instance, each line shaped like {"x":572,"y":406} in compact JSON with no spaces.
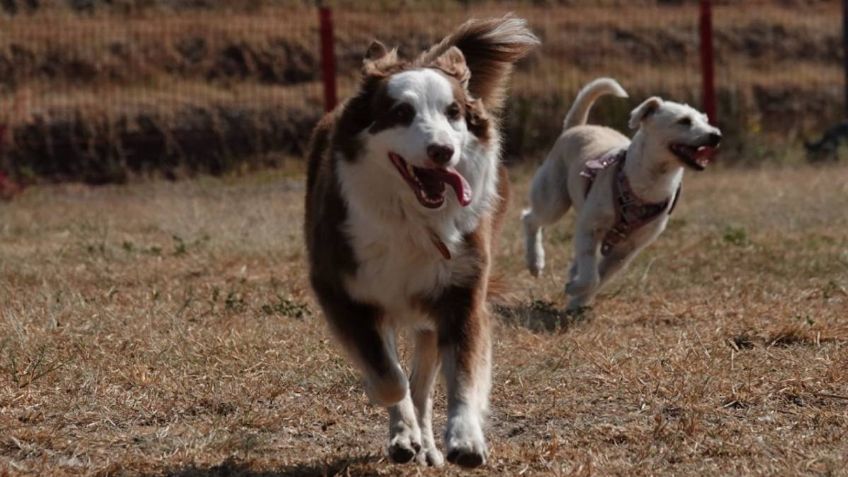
{"x":644,"y":111}
{"x":378,"y":59}
{"x":452,"y":63}
{"x":490,"y":48}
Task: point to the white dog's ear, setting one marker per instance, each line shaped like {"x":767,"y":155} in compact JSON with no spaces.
{"x":644,"y":111}
{"x":452,"y":62}
{"x":378,"y":58}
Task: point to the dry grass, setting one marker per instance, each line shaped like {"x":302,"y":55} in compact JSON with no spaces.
{"x":139,"y":88}
{"x":762,"y":45}
{"x":167,"y":328}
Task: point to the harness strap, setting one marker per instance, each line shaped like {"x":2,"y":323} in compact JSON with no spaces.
{"x":631,"y":212}
{"x":676,"y":197}
{"x":594,"y":166}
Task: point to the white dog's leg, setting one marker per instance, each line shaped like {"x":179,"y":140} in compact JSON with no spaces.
{"x":584,"y":285}
{"x":534,"y":249}
{"x":572,"y":271}
{"x":425,"y":363}
{"x":607,"y":268}
{"x":615,"y":261}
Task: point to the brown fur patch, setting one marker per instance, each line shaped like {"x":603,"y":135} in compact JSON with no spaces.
{"x":452,"y":63}
{"x":387,"y":113}
{"x":490,"y":48}
{"x":460,"y":311}
{"x":331,"y":256}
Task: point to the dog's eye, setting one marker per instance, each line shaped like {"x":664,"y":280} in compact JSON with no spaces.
{"x":687,"y":121}
{"x":453,"y":112}
{"x":403,"y":113}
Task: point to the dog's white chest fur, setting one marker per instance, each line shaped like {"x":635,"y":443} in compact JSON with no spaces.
{"x":393,"y":239}
{"x":400,"y":263}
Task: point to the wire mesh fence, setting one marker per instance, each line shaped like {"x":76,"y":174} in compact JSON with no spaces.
{"x":102,"y":90}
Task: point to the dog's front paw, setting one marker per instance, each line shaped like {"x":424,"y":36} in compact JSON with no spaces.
{"x":535,"y":269}
{"x":404,"y":443}
{"x":470,"y":455}
{"x":403,"y":449}
{"x":580,"y":286}
{"x":430,"y":456}
{"x":465,"y":443}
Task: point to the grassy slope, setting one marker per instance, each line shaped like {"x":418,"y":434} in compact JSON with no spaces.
{"x":168,"y":327}
{"x":85,"y":85}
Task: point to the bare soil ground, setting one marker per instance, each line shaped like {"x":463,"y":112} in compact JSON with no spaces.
{"x":167,"y":329}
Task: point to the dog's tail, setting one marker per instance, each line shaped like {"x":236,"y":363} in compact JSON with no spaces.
{"x":579,"y":112}
{"x":490,"y":48}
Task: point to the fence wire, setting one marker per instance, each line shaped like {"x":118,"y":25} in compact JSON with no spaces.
{"x":99,"y":91}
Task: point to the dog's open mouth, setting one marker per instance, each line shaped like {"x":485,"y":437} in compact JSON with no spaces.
{"x":696,"y":157}
{"x":428,"y":183}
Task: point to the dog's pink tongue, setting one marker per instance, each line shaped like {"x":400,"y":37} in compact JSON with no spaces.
{"x":458,"y":183}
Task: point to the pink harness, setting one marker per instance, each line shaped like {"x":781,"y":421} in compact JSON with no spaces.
{"x":631,"y":212}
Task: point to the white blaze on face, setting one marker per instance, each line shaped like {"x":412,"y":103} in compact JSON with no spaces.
{"x":684,"y":132}
{"x":430,"y":94}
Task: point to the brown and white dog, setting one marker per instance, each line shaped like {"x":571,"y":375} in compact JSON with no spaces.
{"x":403,"y":196}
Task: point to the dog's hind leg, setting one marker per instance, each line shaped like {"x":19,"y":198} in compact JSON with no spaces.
{"x":548,"y":204}
{"x":534,"y":247}
{"x":425,"y":364}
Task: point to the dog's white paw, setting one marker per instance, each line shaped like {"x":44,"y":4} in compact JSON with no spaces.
{"x":430,"y":456}
{"x":465,"y":443}
{"x":579,"y":307}
{"x":404,"y":444}
{"x":535,"y":258}
{"x":535,"y":268}
{"x":534,"y":251}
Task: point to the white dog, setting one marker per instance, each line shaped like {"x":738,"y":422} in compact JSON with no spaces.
{"x":623,"y":190}
{"x":404,"y":194}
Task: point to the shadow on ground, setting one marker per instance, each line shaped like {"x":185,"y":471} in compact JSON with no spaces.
{"x":353,"y":466}
{"x":540,"y":316}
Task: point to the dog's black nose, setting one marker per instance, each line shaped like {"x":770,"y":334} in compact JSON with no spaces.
{"x":439,"y":154}
{"x":714,"y":139}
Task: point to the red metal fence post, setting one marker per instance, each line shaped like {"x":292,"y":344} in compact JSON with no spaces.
{"x":708,"y":59}
{"x":328,"y":57}
{"x":845,"y":49}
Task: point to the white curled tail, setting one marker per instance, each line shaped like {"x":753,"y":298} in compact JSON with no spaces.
{"x":579,"y":112}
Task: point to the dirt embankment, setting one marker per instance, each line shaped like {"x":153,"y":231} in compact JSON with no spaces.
{"x":107,"y":50}
{"x":192,"y":140}
{"x":225,"y":58}
{"x":213,"y":70}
